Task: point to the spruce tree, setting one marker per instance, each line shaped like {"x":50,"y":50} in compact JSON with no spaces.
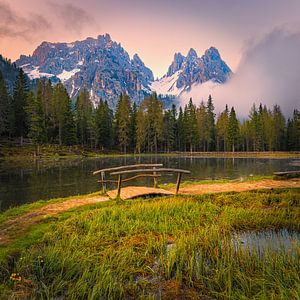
{"x":180,"y":136}
{"x":83,"y":113}
{"x":44,"y":96}
{"x":256,"y":129}
{"x":60,"y":107}
{"x":222,"y":130}
{"x":132,"y":127}
{"x":68,"y":131}
{"x":150,"y":124}
{"x":279,"y":129}
{"x":191,"y":127}
{"x":122,"y":122}
{"x":37,"y":129}
{"x":4,"y":107}
{"x":293,"y":132}
{"x":211,"y":138}
{"x":103,"y":125}
{"x":20,"y":122}
{"x":202,"y":127}
{"x":233,"y":130}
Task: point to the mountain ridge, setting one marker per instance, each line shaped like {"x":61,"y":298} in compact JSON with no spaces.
{"x":105,"y":68}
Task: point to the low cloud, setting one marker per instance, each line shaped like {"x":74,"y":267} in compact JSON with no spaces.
{"x":73,"y":18}
{"x":13,"y":25}
{"x":269,"y":72}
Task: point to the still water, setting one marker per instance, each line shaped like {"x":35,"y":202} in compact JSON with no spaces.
{"x":261,"y":242}
{"x":66,"y":177}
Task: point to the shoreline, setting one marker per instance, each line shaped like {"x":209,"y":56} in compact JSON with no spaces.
{"x":55,"y":152}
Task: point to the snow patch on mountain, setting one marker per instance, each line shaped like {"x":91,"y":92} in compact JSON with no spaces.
{"x":66,"y":75}
{"x":35,"y":73}
{"x":167,"y":85}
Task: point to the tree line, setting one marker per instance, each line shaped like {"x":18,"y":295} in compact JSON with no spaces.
{"x":48,"y":115}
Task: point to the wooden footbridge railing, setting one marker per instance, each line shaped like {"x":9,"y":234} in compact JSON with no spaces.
{"x":140,"y":170}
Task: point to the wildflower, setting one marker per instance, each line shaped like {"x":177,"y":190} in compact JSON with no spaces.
{"x":15,"y":277}
{"x":41,"y":260}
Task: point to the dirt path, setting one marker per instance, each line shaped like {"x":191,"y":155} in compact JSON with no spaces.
{"x":12,"y":228}
{"x":198,"y":189}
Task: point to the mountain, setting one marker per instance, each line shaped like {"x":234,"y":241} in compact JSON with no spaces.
{"x":100,"y":65}
{"x":103,"y":67}
{"x":184,"y":72}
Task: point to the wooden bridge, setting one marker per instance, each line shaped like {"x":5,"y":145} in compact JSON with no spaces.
{"x":140,"y":170}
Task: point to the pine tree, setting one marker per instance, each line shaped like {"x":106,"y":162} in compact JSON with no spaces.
{"x":211,"y":138}
{"x":141,"y":127}
{"x":233,"y":130}
{"x":180,"y":136}
{"x":256,"y":129}
{"x":222,"y":130}
{"x":150,"y":124}
{"x":122,"y":122}
{"x":132,"y":127}
{"x":20,"y":122}
{"x":44,"y":96}
{"x":68,"y":131}
{"x":191,"y":127}
{"x":202,"y":127}
{"x":37,"y":129}
{"x":83,"y":112}
{"x":293,"y":132}
{"x":103,"y":125}
{"x":246,"y":136}
{"x":60,"y":107}
{"x":279,"y":128}
{"x":169,"y":131}
{"x":4,"y":107}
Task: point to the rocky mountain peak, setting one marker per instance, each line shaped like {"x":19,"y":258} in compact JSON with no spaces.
{"x":176,"y":64}
{"x":184,"y":72}
{"x":101,"y":65}
{"x":192,"y":54}
{"x":213,"y":53}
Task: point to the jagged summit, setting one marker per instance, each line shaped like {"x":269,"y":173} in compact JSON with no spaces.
{"x":176,"y":64}
{"x":186,"y":71}
{"x":213,"y":53}
{"x":192,"y":53}
{"x":99,"y":64}
{"x":105,"y":68}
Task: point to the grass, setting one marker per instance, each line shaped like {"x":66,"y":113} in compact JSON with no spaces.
{"x":122,"y":250}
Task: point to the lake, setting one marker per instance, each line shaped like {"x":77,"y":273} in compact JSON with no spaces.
{"x":67,"y":177}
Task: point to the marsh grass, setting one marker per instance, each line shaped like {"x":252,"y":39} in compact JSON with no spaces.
{"x":122,"y":250}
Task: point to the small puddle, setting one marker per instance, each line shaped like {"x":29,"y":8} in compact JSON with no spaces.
{"x":260,"y":242}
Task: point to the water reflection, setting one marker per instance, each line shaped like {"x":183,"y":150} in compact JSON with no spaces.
{"x":262,"y":242}
{"x":40,"y":180}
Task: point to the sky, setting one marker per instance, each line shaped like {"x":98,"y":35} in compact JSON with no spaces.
{"x":154,"y":29}
{"x":243,"y":31}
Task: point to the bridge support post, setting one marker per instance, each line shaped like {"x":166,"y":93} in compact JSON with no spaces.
{"x":103,"y":182}
{"x":178,"y":182}
{"x":154,"y":179}
{"x":119,"y":186}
